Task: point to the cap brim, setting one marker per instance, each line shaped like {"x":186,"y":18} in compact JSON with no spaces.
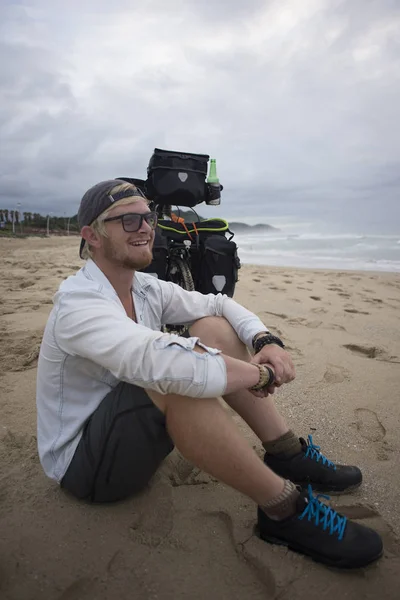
{"x":81,"y":247}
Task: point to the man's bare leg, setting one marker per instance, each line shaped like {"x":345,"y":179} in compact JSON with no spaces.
{"x":260,"y":414}
{"x":206,"y":436}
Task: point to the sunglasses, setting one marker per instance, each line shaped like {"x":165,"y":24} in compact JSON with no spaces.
{"x":132,"y":222}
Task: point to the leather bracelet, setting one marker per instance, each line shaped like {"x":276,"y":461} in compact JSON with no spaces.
{"x":258,"y":335}
{"x":267,"y":378}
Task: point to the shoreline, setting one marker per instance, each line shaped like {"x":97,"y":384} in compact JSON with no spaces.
{"x":73,"y":236}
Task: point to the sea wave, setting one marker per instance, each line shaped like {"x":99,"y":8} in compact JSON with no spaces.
{"x":354,"y":252}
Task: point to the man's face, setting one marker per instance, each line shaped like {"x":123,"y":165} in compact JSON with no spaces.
{"x":133,"y":250}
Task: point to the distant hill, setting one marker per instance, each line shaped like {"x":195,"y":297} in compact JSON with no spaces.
{"x":237,"y":227}
{"x":234,"y":226}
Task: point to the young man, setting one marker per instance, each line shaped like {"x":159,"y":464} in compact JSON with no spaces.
{"x":115,"y":393}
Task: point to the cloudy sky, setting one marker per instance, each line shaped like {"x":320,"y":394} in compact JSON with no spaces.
{"x":297,"y":99}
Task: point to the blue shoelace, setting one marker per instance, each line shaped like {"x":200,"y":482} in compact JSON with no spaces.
{"x":323,"y":515}
{"x":314,"y":453}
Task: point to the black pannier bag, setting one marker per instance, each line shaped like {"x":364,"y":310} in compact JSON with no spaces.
{"x":177,"y":178}
{"x":159,"y":264}
{"x":214,"y":259}
{"x":217,"y":269}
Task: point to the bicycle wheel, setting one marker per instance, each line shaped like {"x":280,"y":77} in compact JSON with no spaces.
{"x":179,"y":272}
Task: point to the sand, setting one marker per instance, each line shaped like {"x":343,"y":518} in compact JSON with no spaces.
{"x":187,"y":536}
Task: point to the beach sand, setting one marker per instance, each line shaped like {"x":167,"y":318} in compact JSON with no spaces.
{"x":187,"y":536}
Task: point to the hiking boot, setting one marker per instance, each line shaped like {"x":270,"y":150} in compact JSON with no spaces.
{"x":310,"y":466}
{"x":318,"y":531}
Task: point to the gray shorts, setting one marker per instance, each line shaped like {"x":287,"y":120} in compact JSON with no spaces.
{"x":123,"y":443}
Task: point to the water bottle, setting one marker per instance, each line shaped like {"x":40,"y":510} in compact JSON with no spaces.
{"x":214,"y":187}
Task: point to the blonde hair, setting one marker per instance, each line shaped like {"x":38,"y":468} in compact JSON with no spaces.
{"x":98,"y":224}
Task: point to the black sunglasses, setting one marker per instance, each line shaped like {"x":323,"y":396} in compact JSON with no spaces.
{"x":132,"y":222}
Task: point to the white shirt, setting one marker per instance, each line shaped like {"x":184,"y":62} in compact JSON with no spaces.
{"x":90,"y":345}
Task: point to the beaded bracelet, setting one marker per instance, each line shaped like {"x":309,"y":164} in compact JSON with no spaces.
{"x":267,"y":378}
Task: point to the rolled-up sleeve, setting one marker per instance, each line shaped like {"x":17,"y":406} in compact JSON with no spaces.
{"x":89,"y":325}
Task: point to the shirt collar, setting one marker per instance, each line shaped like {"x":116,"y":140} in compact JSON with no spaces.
{"x":92,"y":271}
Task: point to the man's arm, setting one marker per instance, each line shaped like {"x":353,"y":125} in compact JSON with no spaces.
{"x":182,"y":307}
{"x":92,"y":327}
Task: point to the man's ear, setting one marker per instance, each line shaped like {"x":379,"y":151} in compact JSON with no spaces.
{"x":91,"y":237}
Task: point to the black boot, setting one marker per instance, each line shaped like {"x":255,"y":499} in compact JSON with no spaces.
{"x":320,"y":532}
{"x":310,"y":466}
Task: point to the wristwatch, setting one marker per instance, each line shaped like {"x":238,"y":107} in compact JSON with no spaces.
{"x":265,"y":340}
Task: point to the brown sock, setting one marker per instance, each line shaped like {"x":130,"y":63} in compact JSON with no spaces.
{"x":288,"y":444}
{"x":284,"y":505}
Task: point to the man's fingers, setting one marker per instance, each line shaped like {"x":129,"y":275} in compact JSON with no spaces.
{"x":257,"y":359}
{"x":279,"y":371}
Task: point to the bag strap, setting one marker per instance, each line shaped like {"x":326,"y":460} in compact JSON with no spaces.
{"x":196,"y":228}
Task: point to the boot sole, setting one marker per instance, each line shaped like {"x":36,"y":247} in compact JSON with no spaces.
{"x":339,"y":564}
{"x":334,"y":492}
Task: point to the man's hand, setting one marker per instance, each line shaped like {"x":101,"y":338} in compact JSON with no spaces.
{"x":279,"y":360}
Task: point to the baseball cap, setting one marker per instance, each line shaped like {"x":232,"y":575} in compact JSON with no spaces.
{"x":98,"y":198}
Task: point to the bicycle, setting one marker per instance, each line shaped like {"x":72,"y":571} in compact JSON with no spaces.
{"x":179,"y":269}
{"x":179,"y":263}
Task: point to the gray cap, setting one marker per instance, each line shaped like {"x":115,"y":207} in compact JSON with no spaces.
{"x":98,"y":198}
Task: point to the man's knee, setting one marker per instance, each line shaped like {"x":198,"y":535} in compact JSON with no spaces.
{"x":217,"y":332}
{"x":215,"y":327}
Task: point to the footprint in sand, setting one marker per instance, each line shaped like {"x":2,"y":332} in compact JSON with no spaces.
{"x":343,"y":295}
{"x":257,"y":280}
{"x":354,"y":311}
{"x":372,"y":352}
{"x":25,"y":284}
{"x":368,"y":351}
{"x":336,"y":374}
{"x":373,"y":300}
{"x":317,"y":298}
{"x":371,"y":429}
{"x":369,"y":425}
{"x":335,"y":289}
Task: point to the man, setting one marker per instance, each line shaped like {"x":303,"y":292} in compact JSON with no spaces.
{"x":115,"y":393}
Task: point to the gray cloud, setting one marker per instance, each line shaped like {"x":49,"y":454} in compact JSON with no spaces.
{"x":298,"y":102}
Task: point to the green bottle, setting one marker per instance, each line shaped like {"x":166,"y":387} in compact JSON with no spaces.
{"x":214,"y":188}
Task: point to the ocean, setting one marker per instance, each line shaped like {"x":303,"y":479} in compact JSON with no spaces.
{"x":321,"y":251}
